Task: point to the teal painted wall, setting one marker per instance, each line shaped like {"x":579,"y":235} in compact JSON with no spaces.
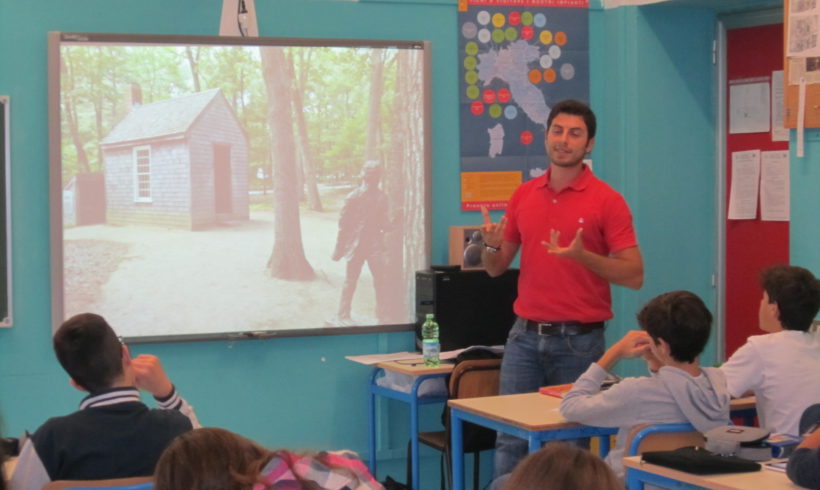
{"x":653,"y":90}
{"x":804,"y":233}
{"x":296,"y":392}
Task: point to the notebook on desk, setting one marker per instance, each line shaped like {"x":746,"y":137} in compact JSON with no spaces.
{"x":559,"y":391}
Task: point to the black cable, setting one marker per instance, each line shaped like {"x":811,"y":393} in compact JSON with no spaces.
{"x":241,"y":11}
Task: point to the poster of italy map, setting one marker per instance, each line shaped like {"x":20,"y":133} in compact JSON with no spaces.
{"x":518,"y":58}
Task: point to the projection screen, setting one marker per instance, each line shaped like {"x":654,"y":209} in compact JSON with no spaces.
{"x":220,"y":187}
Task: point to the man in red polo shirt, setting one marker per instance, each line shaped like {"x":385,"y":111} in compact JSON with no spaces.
{"x":576,"y":237}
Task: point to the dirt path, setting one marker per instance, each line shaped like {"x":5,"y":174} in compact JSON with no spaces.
{"x":154,"y":281}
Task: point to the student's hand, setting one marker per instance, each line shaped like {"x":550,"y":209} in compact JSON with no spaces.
{"x":633,"y":344}
{"x":573,"y":251}
{"x":492,"y":233}
{"x":150,"y":376}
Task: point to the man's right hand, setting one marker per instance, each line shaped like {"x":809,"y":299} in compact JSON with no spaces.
{"x":492,"y":233}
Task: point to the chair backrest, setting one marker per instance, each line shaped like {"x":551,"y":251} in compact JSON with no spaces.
{"x":474,"y":378}
{"x":133,"y":483}
{"x":662,"y":437}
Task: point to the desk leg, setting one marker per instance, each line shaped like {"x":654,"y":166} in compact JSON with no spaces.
{"x":534,"y":443}
{"x":414,"y":441}
{"x":633,"y":481}
{"x":603,"y":446}
{"x":457,"y":445}
{"x":371,"y":443}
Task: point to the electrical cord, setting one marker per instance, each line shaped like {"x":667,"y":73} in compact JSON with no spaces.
{"x":242,"y":17}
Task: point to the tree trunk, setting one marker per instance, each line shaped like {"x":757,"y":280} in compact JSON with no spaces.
{"x":374,"y":116}
{"x":406,"y":121}
{"x":306,"y":157}
{"x":194,"y":64}
{"x":287,"y":259}
{"x":71,"y":118}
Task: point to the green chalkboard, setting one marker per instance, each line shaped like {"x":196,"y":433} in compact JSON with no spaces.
{"x":5,"y":255}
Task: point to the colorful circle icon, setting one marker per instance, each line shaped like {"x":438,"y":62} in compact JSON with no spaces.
{"x":477,"y":107}
{"x":504,"y":95}
{"x":526,"y":137}
{"x":514,"y":18}
{"x":510,"y":112}
{"x":527,"y":33}
{"x":488,"y":96}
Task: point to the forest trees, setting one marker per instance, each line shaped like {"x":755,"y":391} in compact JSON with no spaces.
{"x":312,"y":116}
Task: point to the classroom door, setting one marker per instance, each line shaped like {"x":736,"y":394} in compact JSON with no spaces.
{"x":751,"y":245}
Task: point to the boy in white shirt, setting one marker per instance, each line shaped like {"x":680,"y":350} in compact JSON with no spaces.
{"x":782,"y":367}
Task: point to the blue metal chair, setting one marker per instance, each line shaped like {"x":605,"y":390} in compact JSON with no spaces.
{"x":659,"y":437}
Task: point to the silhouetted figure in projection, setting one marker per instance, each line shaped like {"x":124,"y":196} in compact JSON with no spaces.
{"x":362,"y":224}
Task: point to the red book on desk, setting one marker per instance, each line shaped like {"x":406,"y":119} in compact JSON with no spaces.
{"x":555,"y":390}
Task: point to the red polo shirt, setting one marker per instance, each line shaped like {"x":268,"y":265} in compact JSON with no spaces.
{"x":552,"y":288}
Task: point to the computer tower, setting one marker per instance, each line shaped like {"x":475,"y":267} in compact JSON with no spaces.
{"x":470,"y":307}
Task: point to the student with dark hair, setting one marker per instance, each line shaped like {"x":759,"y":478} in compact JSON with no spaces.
{"x":804,"y":463}
{"x":576,"y":238}
{"x":676,"y":327}
{"x":113,"y":435}
{"x":213,"y":458}
{"x":561,"y":466}
{"x":782,"y":367}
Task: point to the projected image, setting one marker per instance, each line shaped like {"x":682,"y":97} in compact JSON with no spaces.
{"x":210,"y":188}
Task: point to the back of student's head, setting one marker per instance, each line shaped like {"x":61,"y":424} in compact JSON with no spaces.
{"x":210,"y":459}
{"x":561,"y":466}
{"x":681,"y":319}
{"x":796,"y":292}
{"x":89,"y":351}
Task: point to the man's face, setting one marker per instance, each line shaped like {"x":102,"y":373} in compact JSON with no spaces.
{"x":568,"y":141}
{"x":768,"y":315}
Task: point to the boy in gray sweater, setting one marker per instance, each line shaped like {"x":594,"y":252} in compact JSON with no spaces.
{"x":676,"y":326}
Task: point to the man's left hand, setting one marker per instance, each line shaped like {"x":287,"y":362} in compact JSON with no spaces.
{"x":573,"y":251}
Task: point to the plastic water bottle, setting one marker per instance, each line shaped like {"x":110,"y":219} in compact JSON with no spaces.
{"x":429,"y":341}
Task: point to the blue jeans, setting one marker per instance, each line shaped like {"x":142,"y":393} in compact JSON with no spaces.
{"x":532,"y":361}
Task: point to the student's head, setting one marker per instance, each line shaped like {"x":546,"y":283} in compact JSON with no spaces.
{"x":210,"y":458}
{"x":679,"y":319}
{"x":217,"y":459}
{"x":791,"y":296}
{"x":89,"y":351}
{"x":574,"y":108}
{"x":561,"y":466}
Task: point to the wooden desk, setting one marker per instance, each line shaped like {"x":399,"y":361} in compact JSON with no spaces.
{"x":745,"y":408}
{"x":638,"y":473}
{"x":421,"y":373}
{"x":530,"y":416}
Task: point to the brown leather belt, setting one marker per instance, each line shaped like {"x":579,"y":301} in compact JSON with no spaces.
{"x":563,"y":329}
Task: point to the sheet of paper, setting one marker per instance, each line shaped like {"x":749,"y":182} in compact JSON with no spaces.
{"x":774,"y":186}
{"x":745,"y":180}
{"x":803,"y":20}
{"x":779,"y":131}
{"x":749,"y":107}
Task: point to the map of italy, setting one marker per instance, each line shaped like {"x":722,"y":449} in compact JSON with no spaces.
{"x":510,"y":65}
